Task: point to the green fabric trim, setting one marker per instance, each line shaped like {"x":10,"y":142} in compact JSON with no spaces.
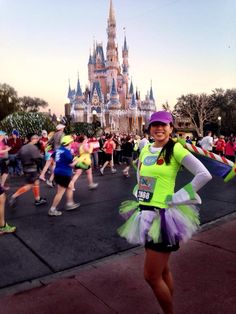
{"x":155,"y":230}
{"x":190,"y":214}
{"x":168,"y":199}
{"x":128,"y":206}
{"x":123,"y":230}
{"x":189,"y":189}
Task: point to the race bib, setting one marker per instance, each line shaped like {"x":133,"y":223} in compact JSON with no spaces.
{"x":146,"y":189}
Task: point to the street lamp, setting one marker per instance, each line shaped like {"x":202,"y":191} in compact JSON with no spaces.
{"x":219,"y":123}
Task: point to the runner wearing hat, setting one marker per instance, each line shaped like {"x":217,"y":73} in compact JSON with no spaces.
{"x":162,"y":218}
{"x":62,"y":176}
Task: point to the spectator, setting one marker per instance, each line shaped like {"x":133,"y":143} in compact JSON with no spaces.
{"x":14,"y":163}
{"x":230,"y":149}
{"x":188,"y":140}
{"x":220,"y":146}
{"x":207,"y":142}
{"x":144,"y":141}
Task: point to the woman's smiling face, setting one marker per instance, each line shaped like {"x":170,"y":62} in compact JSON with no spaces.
{"x":161,"y":132}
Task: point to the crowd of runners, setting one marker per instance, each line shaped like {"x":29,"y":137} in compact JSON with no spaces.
{"x":58,"y":160}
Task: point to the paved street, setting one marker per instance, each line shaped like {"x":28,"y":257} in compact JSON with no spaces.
{"x":44,"y":246}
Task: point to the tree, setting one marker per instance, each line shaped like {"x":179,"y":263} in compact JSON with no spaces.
{"x":8,"y":100}
{"x":224,"y":103}
{"x":27,"y":122}
{"x":198,"y":108}
{"x":166,"y":106}
{"x":29,"y":104}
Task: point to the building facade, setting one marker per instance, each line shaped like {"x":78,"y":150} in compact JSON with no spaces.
{"x":110,"y":95}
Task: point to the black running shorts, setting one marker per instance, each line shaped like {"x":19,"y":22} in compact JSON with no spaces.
{"x":63,"y":181}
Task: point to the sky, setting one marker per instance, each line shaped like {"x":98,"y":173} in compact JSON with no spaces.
{"x":181,"y":46}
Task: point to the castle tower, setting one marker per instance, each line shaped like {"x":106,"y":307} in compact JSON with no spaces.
{"x":78,"y":106}
{"x":112,"y":50}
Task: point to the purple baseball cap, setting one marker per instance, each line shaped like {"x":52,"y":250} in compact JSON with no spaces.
{"x":161,"y":116}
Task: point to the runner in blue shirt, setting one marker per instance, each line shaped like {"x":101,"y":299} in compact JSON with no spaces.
{"x":63,"y":174}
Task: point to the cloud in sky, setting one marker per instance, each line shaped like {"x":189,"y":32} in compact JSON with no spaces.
{"x":182,"y":46}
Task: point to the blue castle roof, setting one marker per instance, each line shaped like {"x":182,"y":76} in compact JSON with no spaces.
{"x":113,"y":88}
{"x":131,"y":88}
{"x":151,"y":94}
{"x":97,"y":87}
{"x":79,"y":91}
{"x":99,"y":50}
{"x":133,"y":103}
{"x":125,"y":48}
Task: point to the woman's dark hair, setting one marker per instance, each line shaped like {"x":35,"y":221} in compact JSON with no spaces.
{"x":167,"y":151}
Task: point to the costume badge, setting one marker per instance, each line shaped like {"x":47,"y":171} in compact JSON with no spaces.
{"x":146,"y":188}
{"x":150,"y":160}
{"x":160,"y":161}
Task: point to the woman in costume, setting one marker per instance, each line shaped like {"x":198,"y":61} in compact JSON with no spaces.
{"x":84,"y":162}
{"x":161,"y":218}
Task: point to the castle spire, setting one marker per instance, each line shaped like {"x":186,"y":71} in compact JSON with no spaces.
{"x":114,"y":102}
{"x":151,"y":93}
{"x":125,"y":55}
{"x":79,"y":91}
{"x":69,"y":91}
{"x":111,"y":12}
{"x":125,"y":48}
{"x":131,"y":88}
{"x":113,"y":88}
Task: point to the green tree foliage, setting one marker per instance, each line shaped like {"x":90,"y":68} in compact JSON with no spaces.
{"x":30,"y":104}
{"x":27,"y":122}
{"x":224,"y":103}
{"x":166,"y":106}
{"x":198,"y":108}
{"x":8,"y":100}
{"x":88,"y":129}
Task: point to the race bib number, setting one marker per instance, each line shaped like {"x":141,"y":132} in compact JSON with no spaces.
{"x":146,"y":189}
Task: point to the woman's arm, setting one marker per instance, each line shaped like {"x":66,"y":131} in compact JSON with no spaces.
{"x":188,"y":194}
{"x":200,"y":172}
